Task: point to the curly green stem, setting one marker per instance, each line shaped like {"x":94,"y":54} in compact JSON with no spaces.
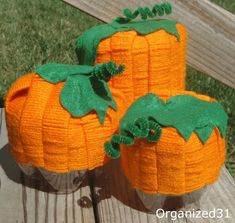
{"x":142,"y":128}
{"x":107,"y":70}
{"x":145,"y":12}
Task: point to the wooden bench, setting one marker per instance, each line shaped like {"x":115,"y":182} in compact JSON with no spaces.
{"x":109,"y":198}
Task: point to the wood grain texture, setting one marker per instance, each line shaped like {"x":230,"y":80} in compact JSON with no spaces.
{"x":222,"y":195}
{"x":25,"y":200}
{"x":118,"y":202}
{"x":211,"y":31}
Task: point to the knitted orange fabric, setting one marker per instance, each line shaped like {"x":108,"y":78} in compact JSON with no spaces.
{"x":172,"y":165}
{"x":153,"y":61}
{"x":42,"y":133}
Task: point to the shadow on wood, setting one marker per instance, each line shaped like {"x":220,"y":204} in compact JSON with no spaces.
{"x":111,"y":182}
{"x":14,"y":173}
{"x":117,"y":201}
{"x":29,"y":200}
{"x":35,"y":181}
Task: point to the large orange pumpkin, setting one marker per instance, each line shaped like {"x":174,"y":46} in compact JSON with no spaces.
{"x":153,"y":61}
{"x":153,"y":54}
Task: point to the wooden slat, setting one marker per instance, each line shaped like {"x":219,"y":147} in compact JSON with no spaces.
{"x":25,"y":200}
{"x":3,"y":132}
{"x":222,"y":195}
{"x":211,"y":39}
{"x":118,"y":202}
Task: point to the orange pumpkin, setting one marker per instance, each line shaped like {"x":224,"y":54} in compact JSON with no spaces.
{"x":173,"y":165}
{"x":153,"y":61}
{"x":43,"y":134}
{"x":153,"y":51}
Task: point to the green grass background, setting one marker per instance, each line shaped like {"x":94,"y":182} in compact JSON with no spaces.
{"x":40,"y":31}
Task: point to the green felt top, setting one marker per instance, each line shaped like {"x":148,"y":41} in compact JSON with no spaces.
{"x":185,"y":113}
{"x":149,"y":114}
{"x":87,"y":44}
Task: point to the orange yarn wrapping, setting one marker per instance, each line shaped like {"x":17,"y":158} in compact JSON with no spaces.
{"x":153,"y":61}
{"x":42,"y":133}
{"x":172,"y":165}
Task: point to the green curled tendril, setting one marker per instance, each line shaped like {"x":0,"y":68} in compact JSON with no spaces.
{"x":145,"y":12}
{"x":142,"y":128}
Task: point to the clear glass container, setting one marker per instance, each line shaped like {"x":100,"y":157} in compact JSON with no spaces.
{"x":188,"y":201}
{"x":61,"y":182}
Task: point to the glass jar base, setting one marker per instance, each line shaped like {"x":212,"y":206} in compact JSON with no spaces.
{"x":60,"y":182}
{"x":167,"y":202}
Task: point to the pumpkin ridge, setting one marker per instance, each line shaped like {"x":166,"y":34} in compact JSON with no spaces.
{"x":22,"y":82}
{"x":43,"y":118}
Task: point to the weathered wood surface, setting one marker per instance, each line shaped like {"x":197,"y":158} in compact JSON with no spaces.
{"x":24,"y":200}
{"x":118,"y":202}
{"x":211,"y":31}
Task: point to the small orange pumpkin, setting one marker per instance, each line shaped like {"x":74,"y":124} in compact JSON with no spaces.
{"x":172,"y":165}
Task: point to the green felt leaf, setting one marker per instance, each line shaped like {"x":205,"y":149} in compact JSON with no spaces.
{"x":87,"y":44}
{"x":55,"y":73}
{"x":204,"y":132}
{"x":79,"y":97}
{"x":183,"y":112}
{"x":146,"y":27}
{"x":85,"y":87}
